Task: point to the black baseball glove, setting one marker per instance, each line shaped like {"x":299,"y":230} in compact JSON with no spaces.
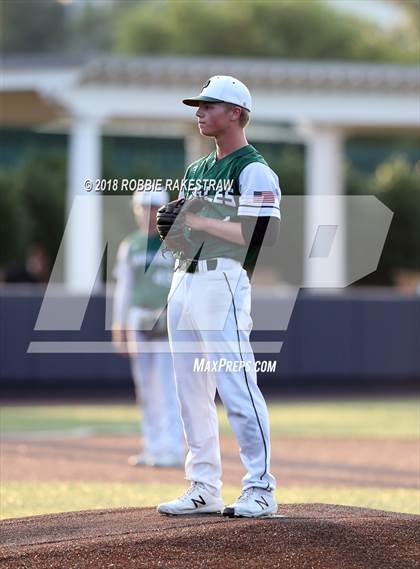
{"x":171,"y":226}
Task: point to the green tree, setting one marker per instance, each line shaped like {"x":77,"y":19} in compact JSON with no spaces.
{"x":396,"y":183}
{"x":410,"y":7}
{"x":398,"y":187}
{"x":92,"y":30}
{"x":41,"y":185}
{"x":256,"y":28}
{"x":13,"y":220}
{"x":406,"y":33}
{"x":289,"y":165}
{"x":27,"y":26}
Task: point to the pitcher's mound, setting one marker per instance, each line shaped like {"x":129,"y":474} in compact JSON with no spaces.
{"x":309,"y":536}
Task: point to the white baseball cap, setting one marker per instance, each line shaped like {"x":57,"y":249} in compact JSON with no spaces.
{"x":223,"y":89}
{"x":150,"y":198}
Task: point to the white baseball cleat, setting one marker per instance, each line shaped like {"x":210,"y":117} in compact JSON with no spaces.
{"x":161,"y":461}
{"x":253,"y":503}
{"x":196,"y":500}
{"x":142,"y":459}
{"x":168,"y":461}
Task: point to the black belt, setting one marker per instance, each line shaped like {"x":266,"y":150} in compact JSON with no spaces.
{"x":191,"y":265}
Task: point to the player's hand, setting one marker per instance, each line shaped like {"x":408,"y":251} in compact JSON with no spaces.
{"x":197,"y":222}
{"x":119,"y":339}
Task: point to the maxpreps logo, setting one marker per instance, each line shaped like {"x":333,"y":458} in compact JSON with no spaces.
{"x":231,"y":366}
{"x":342,"y":241}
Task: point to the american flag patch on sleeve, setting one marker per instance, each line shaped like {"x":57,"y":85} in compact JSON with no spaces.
{"x":263,"y":197}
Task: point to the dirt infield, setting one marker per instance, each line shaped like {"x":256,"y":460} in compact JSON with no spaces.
{"x":341,"y":462}
{"x":315,"y":536}
{"x":311,"y":536}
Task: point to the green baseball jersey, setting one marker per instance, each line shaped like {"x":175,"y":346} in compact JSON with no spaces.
{"x":150,"y":272}
{"x":241,"y":183}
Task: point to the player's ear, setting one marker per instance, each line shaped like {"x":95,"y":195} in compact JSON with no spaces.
{"x":236,"y":113}
{"x":233,"y":111}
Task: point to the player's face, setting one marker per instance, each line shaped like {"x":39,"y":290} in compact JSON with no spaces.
{"x":140,"y":213}
{"x":146,"y":217}
{"x":213,"y":118}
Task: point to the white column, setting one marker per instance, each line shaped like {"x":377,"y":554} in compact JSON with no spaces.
{"x":324,"y":212}
{"x":83,"y":237}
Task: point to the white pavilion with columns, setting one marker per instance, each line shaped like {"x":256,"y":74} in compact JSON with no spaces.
{"x":315,"y":103}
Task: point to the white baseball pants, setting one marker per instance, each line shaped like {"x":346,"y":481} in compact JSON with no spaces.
{"x":209,"y":317}
{"x":156,"y":397}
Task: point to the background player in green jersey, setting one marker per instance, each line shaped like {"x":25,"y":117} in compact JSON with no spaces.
{"x":210,"y":303}
{"x":143,"y":281}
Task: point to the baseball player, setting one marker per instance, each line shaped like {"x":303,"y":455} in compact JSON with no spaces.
{"x":229,"y":203}
{"x":143,"y":280}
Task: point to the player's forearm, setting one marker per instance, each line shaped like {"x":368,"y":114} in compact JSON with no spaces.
{"x":259,"y":231}
{"x":229,"y":230}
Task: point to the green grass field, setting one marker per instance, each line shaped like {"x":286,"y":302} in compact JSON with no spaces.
{"x":381,"y":419}
{"x":19,"y":499}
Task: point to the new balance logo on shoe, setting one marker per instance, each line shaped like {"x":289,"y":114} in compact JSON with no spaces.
{"x":203,"y":502}
{"x":254,"y":502}
{"x":199,"y":502}
{"x":263,"y":503}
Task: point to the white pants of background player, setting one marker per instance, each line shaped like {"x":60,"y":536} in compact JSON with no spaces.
{"x":198,"y":305}
{"x":153,"y":375}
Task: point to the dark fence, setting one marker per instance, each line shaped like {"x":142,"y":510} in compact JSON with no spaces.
{"x":355,"y":339}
